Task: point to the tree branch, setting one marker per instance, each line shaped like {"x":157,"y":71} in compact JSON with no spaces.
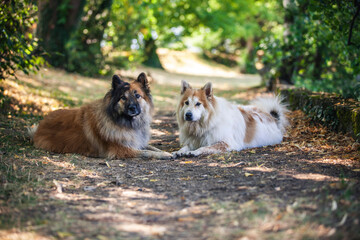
{"x":353,"y":22}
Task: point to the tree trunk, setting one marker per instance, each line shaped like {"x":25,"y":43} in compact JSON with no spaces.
{"x":318,"y":62}
{"x":151,"y":57}
{"x":288,"y":64}
{"x":58,"y":19}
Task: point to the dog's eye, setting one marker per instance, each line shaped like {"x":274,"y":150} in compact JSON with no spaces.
{"x":187,"y":102}
{"x":123,"y":98}
{"x":137,"y":95}
{"x":198,"y":104}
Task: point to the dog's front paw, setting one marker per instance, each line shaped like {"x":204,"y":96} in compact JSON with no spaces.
{"x":179,"y":154}
{"x":164,"y":155}
{"x":176,"y":154}
{"x":193,"y":153}
{"x":185,"y":154}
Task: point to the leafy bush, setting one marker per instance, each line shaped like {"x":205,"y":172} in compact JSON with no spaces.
{"x":17,"y":44}
{"x":312,"y":47}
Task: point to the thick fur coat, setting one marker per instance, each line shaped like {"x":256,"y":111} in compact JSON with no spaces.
{"x":117,"y":126}
{"x":210,"y":124}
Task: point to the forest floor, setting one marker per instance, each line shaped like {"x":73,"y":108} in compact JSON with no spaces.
{"x":307,"y":187}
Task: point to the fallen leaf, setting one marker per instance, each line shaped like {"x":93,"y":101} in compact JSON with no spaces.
{"x":336,"y":185}
{"x":59,"y":187}
{"x":186,"y":219}
{"x":107,"y":164}
{"x":248,"y":174}
{"x":103,"y":184}
{"x":279,"y":216}
{"x":331,"y":232}
{"x":356,"y":170}
{"x":100,"y":237}
{"x":154,"y":180}
{"x":289,"y":209}
{"x":187,"y":162}
{"x":333,"y":205}
{"x":64,"y":234}
{"x":343,"y":220}
{"x":185,"y":179}
{"x":297,"y":145}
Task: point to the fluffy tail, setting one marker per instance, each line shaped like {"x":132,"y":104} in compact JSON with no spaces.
{"x":31,"y":131}
{"x":274,"y":106}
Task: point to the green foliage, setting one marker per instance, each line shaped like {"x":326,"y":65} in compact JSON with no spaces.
{"x":17,"y":43}
{"x":218,"y":27}
{"x":311,"y":47}
{"x":84,"y":47}
{"x":139,"y":27}
{"x":232,"y":28}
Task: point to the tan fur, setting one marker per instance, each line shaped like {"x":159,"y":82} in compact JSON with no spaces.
{"x":250,"y":125}
{"x":219,"y":147}
{"x":76,"y":131}
{"x":90,"y":131}
{"x":250,"y":122}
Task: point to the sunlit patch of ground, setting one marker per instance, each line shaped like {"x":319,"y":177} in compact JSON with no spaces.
{"x":187,"y":62}
{"x":305,"y":188}
{"x":188,"y":66}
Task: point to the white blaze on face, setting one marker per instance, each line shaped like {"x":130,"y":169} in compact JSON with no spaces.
{"x":192,"y":107}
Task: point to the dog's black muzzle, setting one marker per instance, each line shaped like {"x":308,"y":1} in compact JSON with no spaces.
{"x":133,"y":110}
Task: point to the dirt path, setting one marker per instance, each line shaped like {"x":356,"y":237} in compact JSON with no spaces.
{"x":305,"y":188}
{"x":260,"y":193}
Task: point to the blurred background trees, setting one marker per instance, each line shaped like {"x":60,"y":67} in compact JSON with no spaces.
{"x":317,"y":46}
{"x":313,"y":44}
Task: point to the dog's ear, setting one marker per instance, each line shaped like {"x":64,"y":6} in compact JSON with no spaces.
{"x":116,"y":81}
{"x":184,"y":85}
{"x":144,"y":82}
{"x":208,"y":90}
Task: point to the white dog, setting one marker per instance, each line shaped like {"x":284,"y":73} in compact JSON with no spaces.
{"x":210,"y":124}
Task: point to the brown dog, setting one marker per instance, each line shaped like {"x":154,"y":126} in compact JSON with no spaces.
{"x":117,"y":126}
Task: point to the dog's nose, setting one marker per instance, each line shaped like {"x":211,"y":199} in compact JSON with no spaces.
{"x":133,"y":110}
{"x":188,"y":116}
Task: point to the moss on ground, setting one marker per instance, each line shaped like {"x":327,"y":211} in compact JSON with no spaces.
{"x":337,"y":113}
